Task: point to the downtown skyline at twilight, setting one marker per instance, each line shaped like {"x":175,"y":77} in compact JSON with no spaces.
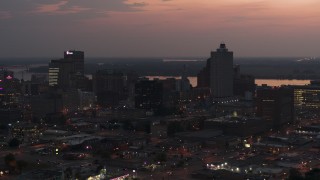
{"x":156,"y":28}
{"x":159,"y":89}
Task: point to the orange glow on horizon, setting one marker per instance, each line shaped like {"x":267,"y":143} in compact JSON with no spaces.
{"x":165,"y":27}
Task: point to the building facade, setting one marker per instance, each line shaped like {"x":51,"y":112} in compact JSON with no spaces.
{"x":149,"y":95}
{"x":276,"y":105}
{"x":112,"y":86}
{"x":307,"y":97}
{"x":218,"y":73}
{"x":221,"y":72}
{"x":63,"y":72}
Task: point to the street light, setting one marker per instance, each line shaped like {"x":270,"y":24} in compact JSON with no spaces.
{"x":134,"y":173}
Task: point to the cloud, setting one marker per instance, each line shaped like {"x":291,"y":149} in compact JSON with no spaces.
{"x":50,"y":8}
{"x":59,"y":8}
{"x":250,"y":6}
{"x":5,"y":15}
{"x":81,"y":9}
{"x":137,"y":4}
{"x":117,"y":26}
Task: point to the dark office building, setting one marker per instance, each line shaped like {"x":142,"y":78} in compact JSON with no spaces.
{"x":64,"y":72}
{"x":203,"y":77}
{"x":29,"y":88}
{"x":43,"y":104}
{"x":238,"y":126}
{"x":243,"y":85}
{"x":9,"y":88}
{"x":113,"y":86}
{"x":8,"y":116}
{"x":276,"y":105}
{"x":169,"y":84}
{"x":5,"y":74}
{"x":221,"y":72}
{"x":218,"y":73}
{"x":149,"y":95}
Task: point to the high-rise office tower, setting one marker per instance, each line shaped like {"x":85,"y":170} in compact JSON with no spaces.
{"x":149,"y":94}
{"x":63,"y":72}
{"x":77,"y":58}
{"x":184,"y":82}
{"x":221,"y":72}
{"x":203,"y":77}
{"x":53,"y":75}
{"x":276,"y":105}
{"x":110,"y":87}
{"x":113,"y":86}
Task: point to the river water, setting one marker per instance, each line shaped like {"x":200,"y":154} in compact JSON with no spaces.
{"x":21,"y":74}
{"x":259,"y":82}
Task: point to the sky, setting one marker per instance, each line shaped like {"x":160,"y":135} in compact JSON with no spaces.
{"x":159,"y":28}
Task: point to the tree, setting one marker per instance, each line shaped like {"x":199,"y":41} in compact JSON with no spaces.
{"x":78,"y":175}
{"x":99,"y":168}
{"x":68,"y":173}
{"x":9,"y":159}
{"x":314,"y":174}
{"x":105,"y":155}
{"x":294,"y":174}
{"x":36,"y":120}
{"x":173,"y":128}
{"x":3,"y":127}
{"x":21,"y":164}
{"x":127,"y":125}
{"x":14,"y":142}
{"x":161,"y":157}
{"x":201,"y":122}
{"x":180,"y":163}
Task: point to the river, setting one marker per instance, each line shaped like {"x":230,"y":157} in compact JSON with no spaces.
{"x":259,"y":82}
{"x":21,"y":74}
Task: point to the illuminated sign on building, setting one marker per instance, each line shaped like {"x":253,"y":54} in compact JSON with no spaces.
{"x":69,"y":52}
{"x":9,"y":77}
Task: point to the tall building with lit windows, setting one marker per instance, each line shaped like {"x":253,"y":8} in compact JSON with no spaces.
{"x":63,"y":73}
{"x":307,"y":97}
{"x":53,"y":76}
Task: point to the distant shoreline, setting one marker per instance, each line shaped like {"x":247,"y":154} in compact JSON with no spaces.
{"x":260,"y":68}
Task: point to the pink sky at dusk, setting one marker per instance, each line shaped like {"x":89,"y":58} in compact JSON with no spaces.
{"x":169,"y":27}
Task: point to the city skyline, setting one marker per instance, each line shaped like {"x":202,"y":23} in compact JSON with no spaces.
{"x":159,"y":89}
{"x":122,"y":124}
{"x":157,"y":28}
